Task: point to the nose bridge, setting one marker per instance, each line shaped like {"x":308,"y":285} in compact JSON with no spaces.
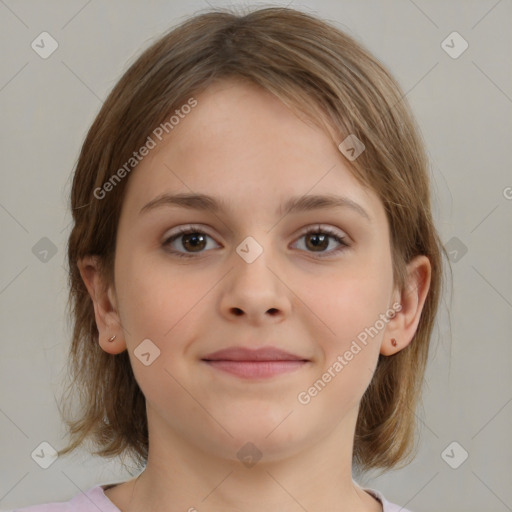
{"x":254,"y":289}
{"x":252,"y":261}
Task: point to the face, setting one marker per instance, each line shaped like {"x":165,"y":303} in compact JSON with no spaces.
{"x":302,"y":284}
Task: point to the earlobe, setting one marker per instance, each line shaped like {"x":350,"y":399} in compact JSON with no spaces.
{"x":112,"y":345}
{"x":401,"y":329}
{"x":105,"y":310}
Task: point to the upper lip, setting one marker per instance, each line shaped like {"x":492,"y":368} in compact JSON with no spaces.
{"x":247,"y":354}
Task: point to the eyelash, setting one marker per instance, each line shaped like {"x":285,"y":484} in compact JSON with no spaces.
{"x":314,"y":231}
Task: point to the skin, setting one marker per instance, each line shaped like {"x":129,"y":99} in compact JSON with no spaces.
{"x":243,"y":145}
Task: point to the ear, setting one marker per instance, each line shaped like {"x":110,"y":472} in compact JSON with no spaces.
{"x":105,"y":305}
{"x":403,"y":325}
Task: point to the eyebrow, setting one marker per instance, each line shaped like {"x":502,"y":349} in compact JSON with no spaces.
{"x":297,"y":204}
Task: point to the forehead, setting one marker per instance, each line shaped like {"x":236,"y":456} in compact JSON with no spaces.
{"x":242,"y":143}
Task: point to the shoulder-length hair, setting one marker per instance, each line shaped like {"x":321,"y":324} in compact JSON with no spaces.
{"x":321,"y":73}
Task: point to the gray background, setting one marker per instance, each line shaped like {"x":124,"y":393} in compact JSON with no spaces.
{"x":463,"y":106}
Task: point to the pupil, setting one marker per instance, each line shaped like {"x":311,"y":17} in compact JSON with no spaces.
{"x":320,"y":241}
{"x":194,"y":240}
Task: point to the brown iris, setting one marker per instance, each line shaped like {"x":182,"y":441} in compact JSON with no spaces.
{"x":194,"y":242}
{"x":317,"y":241}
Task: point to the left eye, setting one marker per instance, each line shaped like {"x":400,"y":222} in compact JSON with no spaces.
{"x":318,"y":240}
{"x":194,"y":240}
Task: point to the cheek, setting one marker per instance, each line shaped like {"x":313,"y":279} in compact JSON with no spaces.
{"x":353,"y":306}
{"x":158,"y":305}
{"x":152,"y":298}
{"x":351,"y":300}
{"x":349,"y":351}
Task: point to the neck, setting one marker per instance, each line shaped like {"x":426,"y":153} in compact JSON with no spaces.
{"x":179,"y":476}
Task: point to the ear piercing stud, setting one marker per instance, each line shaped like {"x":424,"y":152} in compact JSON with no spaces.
{"x":112,"y":338}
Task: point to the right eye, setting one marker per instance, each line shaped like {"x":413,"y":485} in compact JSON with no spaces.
{"x":191,"y":239}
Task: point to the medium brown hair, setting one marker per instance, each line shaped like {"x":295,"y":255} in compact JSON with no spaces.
{"x":324,"y":75}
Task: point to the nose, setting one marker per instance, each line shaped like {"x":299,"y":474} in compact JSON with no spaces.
{"x":255,"y":292}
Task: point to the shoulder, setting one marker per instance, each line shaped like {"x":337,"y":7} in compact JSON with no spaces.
{"x":91,"y":500}
{"x":386,"y":505}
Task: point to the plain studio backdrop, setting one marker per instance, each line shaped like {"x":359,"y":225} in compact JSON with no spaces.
{"x":451,"y":59}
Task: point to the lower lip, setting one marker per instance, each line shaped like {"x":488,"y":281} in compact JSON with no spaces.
{"x":256,"y":369}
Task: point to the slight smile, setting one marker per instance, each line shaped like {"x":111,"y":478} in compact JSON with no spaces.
{"x":254,"y":363}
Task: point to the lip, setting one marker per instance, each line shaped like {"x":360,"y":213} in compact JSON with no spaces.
{"x":248,"y":354}
{"x":247,"y":363}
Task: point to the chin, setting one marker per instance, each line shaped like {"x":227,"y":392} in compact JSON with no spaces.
{"x":266,"y":437}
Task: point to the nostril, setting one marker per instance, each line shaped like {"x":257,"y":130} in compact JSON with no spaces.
{"x":239,"y":312}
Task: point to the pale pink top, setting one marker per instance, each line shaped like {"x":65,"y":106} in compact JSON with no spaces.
{"x":94,"y":500}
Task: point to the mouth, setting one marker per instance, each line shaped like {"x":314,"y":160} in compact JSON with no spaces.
{"x":254,"y":363}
